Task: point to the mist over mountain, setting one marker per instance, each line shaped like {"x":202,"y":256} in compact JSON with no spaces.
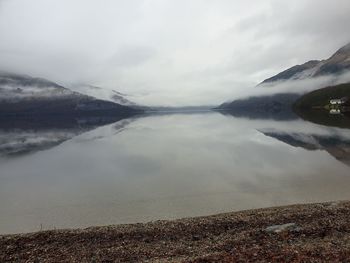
{"x":103,"y":94}
{"x":25,"y":95}
{"x":337,"y":64}
{"x":282,"y":90}
{"x":277,"y":107}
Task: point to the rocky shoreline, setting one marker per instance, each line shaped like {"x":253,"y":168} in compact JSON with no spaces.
{"x":297,"y":233}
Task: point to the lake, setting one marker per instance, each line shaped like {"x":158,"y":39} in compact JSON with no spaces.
{"x":164,"y":166}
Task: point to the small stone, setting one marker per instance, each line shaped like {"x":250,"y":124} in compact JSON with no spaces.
{"x":281,"y":228}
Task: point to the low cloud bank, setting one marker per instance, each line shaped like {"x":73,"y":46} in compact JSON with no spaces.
{"x":298,"y":86}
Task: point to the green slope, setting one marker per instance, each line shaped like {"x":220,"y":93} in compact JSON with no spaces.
{"x":320,"y":98}
{"x":314,"y":106}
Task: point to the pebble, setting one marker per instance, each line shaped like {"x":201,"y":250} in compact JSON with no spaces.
{"x":281,"y":228}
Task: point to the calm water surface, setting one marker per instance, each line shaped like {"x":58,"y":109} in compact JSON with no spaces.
{"x":165,"y":167}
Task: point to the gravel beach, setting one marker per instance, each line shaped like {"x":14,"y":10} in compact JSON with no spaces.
{"x":297,"y":233}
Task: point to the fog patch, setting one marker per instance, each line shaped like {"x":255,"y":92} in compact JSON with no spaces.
{"x":299,"y":86}
{"x":15,"y":93}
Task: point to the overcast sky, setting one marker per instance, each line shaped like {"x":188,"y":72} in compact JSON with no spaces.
{"x":168,"y":52}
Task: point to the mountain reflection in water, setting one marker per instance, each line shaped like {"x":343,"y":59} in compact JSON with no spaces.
{"x":96,"y":171}
{"x":20,"y":136}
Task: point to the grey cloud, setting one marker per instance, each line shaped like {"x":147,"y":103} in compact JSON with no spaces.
{"x":176,"y":52}
{"x":130,"y":56}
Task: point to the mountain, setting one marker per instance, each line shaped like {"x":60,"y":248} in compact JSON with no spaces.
{"x":25,"y":95}
{"x":335,"y":145}
{"x":335,"y":65}
{"x":269,"y":105}
{"x":277,"y":106}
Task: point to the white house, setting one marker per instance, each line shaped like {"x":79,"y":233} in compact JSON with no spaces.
{"x":338,"y":101}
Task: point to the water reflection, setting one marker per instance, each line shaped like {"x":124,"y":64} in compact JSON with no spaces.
{"x":20,"y":136}
{"x":284,"y":114}
{"x":332,"y":118}
{"x":333,"y":143}
{"x":172,"y":166}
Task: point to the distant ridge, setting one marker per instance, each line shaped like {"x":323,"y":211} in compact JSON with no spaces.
{"x":25,"y":95}
{"x":282,"y":102}
{"x":338,"y":63}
